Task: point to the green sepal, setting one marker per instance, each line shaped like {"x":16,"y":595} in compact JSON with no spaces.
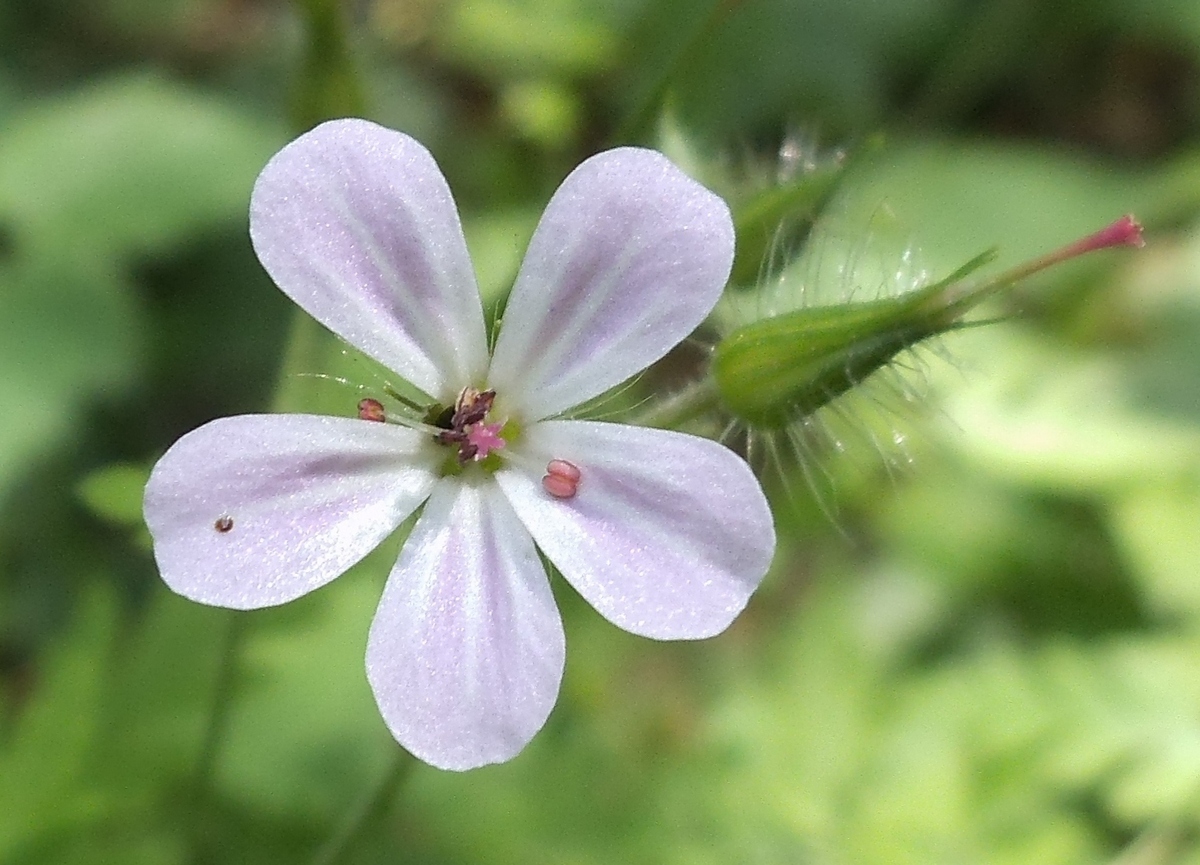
{"x":772,"y":371}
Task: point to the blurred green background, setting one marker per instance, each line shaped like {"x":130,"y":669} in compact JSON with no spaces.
{"x":981,"y":639}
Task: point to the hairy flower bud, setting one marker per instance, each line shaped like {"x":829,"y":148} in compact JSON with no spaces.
{"x":784,"y":367}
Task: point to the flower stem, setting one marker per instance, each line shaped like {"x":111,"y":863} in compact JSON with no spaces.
{"x":1157,"y":844}
{"x":218,"y":715}
{"x":330,"y":84}
{"x":366,"y":811}
{"x":638,"y":125}
{"x":215,"y":728}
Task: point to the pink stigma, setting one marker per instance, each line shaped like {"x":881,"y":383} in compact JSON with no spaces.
{"x":485,"y":438}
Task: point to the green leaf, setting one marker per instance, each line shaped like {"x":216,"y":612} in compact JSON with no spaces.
{"x":1054,"y":418}
{"x":823,"y":61}
{"x":1158,"y":527}
{"x":43,"y":761}
{"x":129,"y":164}
{"x":114,"y":493}
{"x":126,"y":166}
{"x":526,"y":37}
{"x":1024,"y":200}
{"x":1127,"y":726}
{"x":68,"y":331}
{"x":158,"y":699}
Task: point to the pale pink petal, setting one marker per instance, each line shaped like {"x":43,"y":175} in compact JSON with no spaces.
{"x":256,"y":510}
{"x":357,"y":225}
{"x":629,"y":257}
{"x":466,"y":651}
{"x":667,"y":534}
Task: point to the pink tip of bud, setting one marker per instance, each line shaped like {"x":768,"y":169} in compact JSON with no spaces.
{"x":371,"y":409}
{"x":562,"y":479}
{"x":485,"y":437}
{"x":1124,"y":232}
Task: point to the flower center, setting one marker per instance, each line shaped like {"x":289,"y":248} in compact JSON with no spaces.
{"x":466,"y":426}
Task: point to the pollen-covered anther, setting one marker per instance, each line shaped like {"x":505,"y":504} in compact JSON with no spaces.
{"x":562,"y":479}
{"x":472,"y":407}
{"x":371,"y":409}
{"x":466,"y":428}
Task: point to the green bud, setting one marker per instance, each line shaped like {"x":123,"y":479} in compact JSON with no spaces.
{"x":772,"y":371}
{"x":787,"y":366}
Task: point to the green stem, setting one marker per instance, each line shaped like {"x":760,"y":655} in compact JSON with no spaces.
{"x":218,"y":716}
{"x":1156,"y":845}
{"x":366,"y":811}
{"x":330,"y":84}
{"x":217,"y":725}
{"x":329,"y":87}
{"x":638,"y":123}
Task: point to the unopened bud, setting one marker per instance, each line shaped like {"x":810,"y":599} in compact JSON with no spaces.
{"x":780,"y":368}
{"x":775,"y":370}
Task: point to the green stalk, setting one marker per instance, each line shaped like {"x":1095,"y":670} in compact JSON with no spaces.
{"x":639,"y":123}
{"x":329,"y":85}
{"x":369,"y":809}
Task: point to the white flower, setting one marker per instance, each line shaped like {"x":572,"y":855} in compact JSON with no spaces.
{"x":666,"y":534}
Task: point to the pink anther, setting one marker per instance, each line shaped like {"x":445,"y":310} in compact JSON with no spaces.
{"x":564,"y":468}
{"x":371,"y":409}
{"x":562,"y":479}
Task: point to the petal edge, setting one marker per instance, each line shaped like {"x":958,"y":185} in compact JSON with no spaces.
{"x":466,"y":650}
{"x":356,"y":224}
{"x":629,"y":258}
{"x":256,"y":510}
{"x":668,"y":535}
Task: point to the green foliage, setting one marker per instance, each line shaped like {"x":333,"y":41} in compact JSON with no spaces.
{"x":129,"y":165}
{"x":114,"y":493}
{"x":87,"y":182}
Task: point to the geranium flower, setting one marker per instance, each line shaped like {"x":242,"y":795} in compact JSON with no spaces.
{"x":666,"y":534}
